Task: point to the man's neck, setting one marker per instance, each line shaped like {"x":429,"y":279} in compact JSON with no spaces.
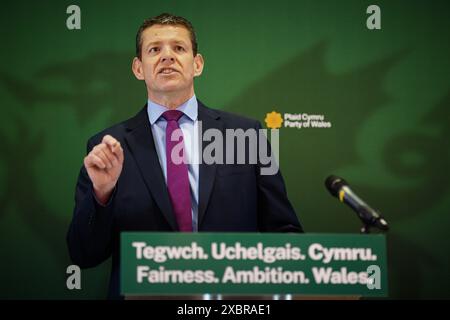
{"x":171,"y":101}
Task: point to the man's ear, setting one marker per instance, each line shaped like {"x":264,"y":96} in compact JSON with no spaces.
{"x":198,"y":65}
{"x":137,"y":68}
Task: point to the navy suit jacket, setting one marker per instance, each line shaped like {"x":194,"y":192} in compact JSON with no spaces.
{"x":232,"y":198}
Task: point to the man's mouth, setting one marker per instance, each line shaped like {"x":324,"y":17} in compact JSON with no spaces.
{"x":167,"y":71}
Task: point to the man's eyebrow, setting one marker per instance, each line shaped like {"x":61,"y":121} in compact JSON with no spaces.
{"x":158,"y":42}
{"x":152,"y":43}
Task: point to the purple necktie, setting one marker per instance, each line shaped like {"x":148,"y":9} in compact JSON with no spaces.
{"x":177,"y":173}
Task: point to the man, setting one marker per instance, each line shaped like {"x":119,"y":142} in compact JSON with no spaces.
{"x":131,"y":180}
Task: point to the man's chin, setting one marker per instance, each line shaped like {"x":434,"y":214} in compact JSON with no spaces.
{"x":170,"y":88}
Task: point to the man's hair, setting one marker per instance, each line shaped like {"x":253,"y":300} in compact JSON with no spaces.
{"x":168,"y":20}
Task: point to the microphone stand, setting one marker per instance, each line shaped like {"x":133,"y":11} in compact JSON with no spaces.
{"x":365,"y":229}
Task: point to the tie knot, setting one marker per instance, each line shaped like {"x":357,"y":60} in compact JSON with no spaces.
{"x":172,"y":115}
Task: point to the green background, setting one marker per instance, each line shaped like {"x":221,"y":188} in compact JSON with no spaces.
{"x":386,"y":92}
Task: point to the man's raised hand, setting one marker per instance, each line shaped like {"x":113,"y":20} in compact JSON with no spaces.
{"x":104,"y":165}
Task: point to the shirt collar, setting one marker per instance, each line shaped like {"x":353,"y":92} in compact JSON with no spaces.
{"x":189,"y":108}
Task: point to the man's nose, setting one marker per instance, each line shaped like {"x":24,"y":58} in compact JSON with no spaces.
{"x":167,"y":55}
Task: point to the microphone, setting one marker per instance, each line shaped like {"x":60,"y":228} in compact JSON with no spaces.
{"x":339,"y":188}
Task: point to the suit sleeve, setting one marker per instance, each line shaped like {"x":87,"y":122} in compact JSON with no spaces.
{"x":275,"y":212}
{"x":89,"y":237}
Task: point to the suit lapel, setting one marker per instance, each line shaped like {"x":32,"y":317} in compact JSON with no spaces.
{"x":142,"y":147}
{"x":209,"y":119}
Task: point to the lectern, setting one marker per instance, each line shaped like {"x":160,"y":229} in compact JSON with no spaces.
{"x":253,"y":266}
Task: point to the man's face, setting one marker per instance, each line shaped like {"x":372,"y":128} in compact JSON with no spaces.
{"x":167,"y":62}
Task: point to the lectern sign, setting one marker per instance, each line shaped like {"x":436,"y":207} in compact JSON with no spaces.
{"x":253,"y":263}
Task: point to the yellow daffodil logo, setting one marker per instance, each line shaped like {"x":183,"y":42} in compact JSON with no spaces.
{"x":273,"y":120}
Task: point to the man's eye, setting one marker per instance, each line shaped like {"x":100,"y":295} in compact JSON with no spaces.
{"x":180,"y":48}
{"x":154,"y":49}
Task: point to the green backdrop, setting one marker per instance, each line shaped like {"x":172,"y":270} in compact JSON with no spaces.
{"x":386,"y":92}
